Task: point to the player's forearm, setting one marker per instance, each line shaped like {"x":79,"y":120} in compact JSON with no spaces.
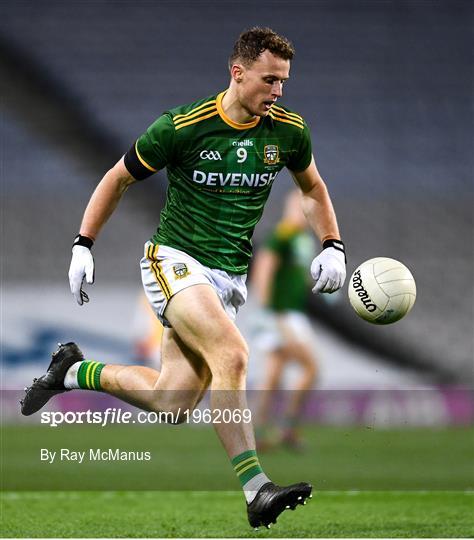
{"x":319,"y":212}
{"x":105,"y":199}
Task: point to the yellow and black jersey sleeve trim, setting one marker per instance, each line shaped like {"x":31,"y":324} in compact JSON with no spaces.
{"x":194,"y":111}
{"x":286,"y":118}
{"x":282,"y":111}
{"x":136,"y":165}
{"x":202,"y":112}
{"x":191,"y":117}
{"x":201,"y":115}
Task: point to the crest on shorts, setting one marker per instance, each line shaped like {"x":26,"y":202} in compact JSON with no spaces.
{"x":180,"y":270}
{"x":271,"y":154}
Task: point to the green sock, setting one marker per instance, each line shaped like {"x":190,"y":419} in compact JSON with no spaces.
{"x":88,"y":375}
{"x":246,"y":466}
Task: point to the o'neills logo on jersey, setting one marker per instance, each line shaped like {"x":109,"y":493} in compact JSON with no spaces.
{"x":245,"y":142}
{"x":362,"y":293}
{"x":234,"y":179}
{"x":271,"y":154}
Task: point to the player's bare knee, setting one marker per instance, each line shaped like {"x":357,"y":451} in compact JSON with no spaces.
{"x":232,"y":366}
{"x":237,"y":367}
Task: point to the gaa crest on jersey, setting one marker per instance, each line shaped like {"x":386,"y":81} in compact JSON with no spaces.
{"x":271,"y":154}
{"x":180,"y":270}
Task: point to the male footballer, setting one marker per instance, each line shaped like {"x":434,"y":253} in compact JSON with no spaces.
{"x":222,"y":155}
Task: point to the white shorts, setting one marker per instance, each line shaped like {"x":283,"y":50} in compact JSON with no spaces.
{"x":280,"y":329}
{"x":166,"y":271}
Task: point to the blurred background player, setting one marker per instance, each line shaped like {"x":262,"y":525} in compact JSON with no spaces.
{"x":281,"y":281}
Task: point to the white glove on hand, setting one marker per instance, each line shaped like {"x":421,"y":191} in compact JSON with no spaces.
{"x":329,"y":268}
{"x":82,"y":266}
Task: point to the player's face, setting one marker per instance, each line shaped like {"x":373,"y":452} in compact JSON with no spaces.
{"x":262,"y":83}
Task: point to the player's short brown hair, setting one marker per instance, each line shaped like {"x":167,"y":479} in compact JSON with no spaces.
{"x":253,"y":42}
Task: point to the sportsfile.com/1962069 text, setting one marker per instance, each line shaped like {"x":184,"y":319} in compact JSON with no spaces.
{"x":118,"y":416}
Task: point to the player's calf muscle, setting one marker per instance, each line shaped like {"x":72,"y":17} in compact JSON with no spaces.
{"x":123,"y":378}
{"x":133,"y":384}
{"x":137,"y":385}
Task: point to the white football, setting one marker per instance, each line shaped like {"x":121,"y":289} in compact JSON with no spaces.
{"x":382,"y":290}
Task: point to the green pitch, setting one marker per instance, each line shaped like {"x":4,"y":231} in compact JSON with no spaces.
{"x":368,"y":483}
{"x":187,"y":458}
{"x":222,"y":514}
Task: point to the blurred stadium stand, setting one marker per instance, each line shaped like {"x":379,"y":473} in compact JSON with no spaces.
{"x":386,"y":88}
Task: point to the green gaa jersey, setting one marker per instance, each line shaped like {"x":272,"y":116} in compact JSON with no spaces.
{"x":220,"y":174}
{"x":295,"y":249}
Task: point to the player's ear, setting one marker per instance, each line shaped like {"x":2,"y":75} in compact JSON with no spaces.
{"x":237,"y":72}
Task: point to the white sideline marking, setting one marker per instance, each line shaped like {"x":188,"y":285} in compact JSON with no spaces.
{"x":17,"y":495}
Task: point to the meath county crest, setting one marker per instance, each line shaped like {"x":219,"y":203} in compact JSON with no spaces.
{"x":271,"y":154}
{"x":180,"y":270}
